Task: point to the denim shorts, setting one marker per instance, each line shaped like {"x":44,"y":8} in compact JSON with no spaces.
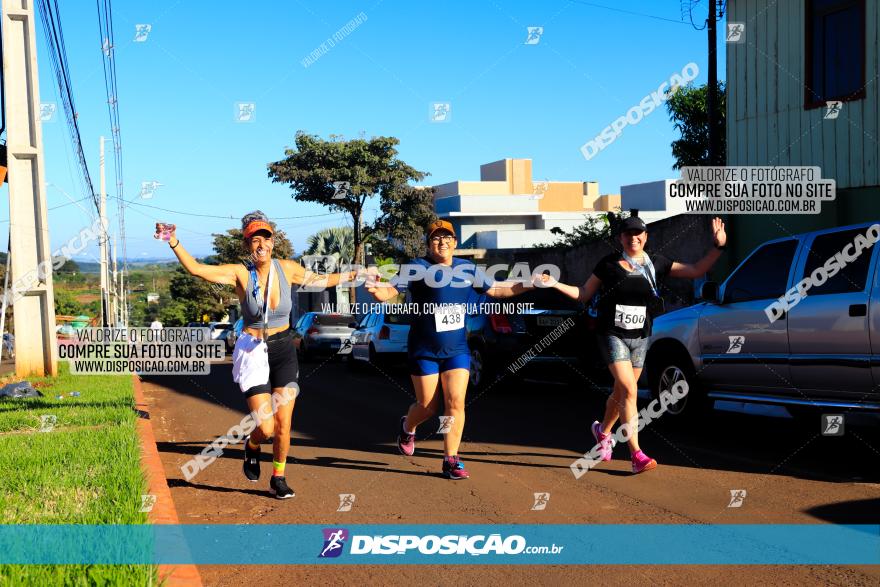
{"x":615,"y":349}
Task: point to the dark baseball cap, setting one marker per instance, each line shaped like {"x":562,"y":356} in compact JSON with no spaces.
{"x":633,"y":223}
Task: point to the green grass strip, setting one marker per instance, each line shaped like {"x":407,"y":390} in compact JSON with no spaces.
{"x":70,"y":474}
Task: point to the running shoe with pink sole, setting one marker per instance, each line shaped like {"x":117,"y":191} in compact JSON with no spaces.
{"x":642,"y":462}
{"x":454,"y":469}
{"x":606,"y":442}
{"x":406,"y":442}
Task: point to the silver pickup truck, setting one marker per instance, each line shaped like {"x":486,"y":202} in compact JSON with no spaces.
{"x":797,"y":324}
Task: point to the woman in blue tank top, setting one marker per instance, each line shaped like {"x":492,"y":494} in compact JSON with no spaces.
{"x":264,"y":360}
{"x":437,"y":345}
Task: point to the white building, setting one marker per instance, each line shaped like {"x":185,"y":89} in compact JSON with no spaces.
{"x":506,"y":209}
{"x":650,"y":200}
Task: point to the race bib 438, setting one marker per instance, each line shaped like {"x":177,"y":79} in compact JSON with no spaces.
{"x":449,"y":317}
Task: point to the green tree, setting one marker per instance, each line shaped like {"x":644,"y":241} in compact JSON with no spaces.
{"x":337,"y":241}
{"x":66,"y":304}
{"x":70,"y":266}
{"x":594,"y":228}
{"x":688,"y":110}
{"x":370,"y":167}
{"x":400,"y":230}
{"x":197,"y":296}
{"x":174,"y":313}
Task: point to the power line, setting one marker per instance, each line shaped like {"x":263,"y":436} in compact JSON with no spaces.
{"x":229,"y":216}
{"x":634,"y":13}
{"x":56,"y":207}
{"x":51,"y":19}
{"x":105,"y":33}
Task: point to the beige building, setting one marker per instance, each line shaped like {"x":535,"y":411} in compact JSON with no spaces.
{"x":508,"y":209}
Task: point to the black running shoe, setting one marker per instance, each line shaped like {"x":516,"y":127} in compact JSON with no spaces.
{"x":251,"y":466}
{"x":278,"y":487}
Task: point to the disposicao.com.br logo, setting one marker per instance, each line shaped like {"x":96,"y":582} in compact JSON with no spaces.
{"x":334,"y":541}
{"x":480,"y":544}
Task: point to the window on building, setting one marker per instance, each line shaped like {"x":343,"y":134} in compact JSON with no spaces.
{"x":835,"y":51}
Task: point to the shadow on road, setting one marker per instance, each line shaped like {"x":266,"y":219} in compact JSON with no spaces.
{"x":360,"y":409}
{"x":864,"y":511}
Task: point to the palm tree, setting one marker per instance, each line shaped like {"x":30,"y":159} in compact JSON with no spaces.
{"x":337,"y":242}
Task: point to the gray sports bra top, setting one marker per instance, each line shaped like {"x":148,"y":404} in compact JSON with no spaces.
{"x":252,"y":308}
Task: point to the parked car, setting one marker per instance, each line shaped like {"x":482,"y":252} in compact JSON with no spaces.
{"x":9,"y":345}
{"x":323,"y":333}
{"x":500,"y":340}
{"x":230,"y":335}
{"x":381,"y":337}
{"x":822,"y":352}
{"x":224,"y":335}
{"x":217,"y":328}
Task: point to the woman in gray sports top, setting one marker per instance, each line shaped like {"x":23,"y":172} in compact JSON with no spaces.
{"x":264,"y":360}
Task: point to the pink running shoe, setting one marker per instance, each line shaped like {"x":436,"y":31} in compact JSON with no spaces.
{"x":454,"y":469}
{"x":642,"y":462}
{"x":406,"y":442}
{"x":606,"y":441}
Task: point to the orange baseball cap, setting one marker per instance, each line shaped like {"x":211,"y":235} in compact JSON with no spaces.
{"x":440,"y":225}
{"x":255,"y":226}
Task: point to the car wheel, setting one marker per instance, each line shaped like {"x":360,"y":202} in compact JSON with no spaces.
{"x":374,"y":356}
{"x":670,"y":371}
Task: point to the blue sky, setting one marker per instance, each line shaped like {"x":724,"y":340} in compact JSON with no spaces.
{"x":178,"y":90}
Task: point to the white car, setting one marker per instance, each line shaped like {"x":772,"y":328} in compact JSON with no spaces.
{"x":380,"y":336}
{"x":217,"y":328}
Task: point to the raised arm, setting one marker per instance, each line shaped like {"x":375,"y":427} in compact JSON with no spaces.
{"x":299,"y":275}
{"x":223,"y":274}
{"x":701,"y":267}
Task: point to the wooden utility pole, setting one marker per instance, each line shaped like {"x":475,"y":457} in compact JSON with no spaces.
{"x":36,"y":350}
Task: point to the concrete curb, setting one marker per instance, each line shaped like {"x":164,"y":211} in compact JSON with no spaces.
{"x":163,"y":511}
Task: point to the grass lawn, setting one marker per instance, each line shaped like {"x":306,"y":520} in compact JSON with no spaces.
{"x":83,"y":470}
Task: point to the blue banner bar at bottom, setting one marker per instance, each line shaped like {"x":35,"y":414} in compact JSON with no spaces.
{"x":472,"y":544}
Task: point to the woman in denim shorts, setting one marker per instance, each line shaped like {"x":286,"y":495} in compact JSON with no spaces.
{"x":627,"y":283}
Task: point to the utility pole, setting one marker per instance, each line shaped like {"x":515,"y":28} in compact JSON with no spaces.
{"x":105,"y":310}
{"x":115,"y":281}
{"x":712,"y":101}
{"x":36,"y":349}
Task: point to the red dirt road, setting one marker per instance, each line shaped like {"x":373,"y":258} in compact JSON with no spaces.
{"x":519,"y":440}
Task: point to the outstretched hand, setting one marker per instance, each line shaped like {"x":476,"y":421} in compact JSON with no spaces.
{"x":166,"y":232}
{"x":718,"y":233}
{"x":544,"y":280}
{"x":372,"y":284}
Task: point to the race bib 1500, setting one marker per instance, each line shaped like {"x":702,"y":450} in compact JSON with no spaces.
{"x":629,"y":317}
{"x":449,"y":317}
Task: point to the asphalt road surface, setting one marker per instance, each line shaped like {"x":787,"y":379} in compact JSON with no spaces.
{"x":520,"y":438}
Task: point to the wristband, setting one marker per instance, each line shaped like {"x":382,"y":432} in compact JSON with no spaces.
{"x":174,"y":246}
{"x":721,"y":248}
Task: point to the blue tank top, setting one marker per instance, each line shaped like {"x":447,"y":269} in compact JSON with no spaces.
{"x":466,"y":286}
{"x":252,"y":306}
